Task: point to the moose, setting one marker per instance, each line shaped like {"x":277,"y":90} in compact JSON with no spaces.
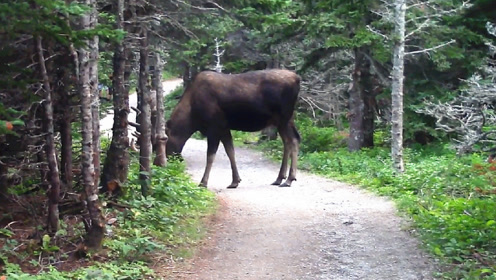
{"x":216,"y":103}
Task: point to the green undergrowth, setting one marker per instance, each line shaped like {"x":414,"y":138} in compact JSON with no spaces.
{"x":163,"y":226}
{"x":451,"y":200}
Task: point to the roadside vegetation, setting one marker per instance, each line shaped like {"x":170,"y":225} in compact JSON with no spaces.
{"x":140,"y":232}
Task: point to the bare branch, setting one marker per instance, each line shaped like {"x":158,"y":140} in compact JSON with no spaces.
{"x":431,"y":49}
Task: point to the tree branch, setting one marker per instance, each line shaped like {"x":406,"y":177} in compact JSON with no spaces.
{"x":431,"y":49}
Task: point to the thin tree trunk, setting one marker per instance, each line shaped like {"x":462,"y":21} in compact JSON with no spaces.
{"x":116,"y":165}
{"x":66,"y":143}
{"x":95,"y":104}
{"x":152,"y":66}
{"x":361,"y":105}
{"x":96,"y":228}
{"x":397,"y":86}
{"x":4,"y":170}
{"x":356,"y":106}
{"x":160,"y":136}
{"x":145,"y":116}
{"x":53,"y":174}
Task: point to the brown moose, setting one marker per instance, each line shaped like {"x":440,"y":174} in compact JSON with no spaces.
{"x":215,"y":103}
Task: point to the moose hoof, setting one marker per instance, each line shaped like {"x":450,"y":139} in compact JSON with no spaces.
{"x":234,"y":184}
{"x":202,"y":185}
{"x":287,"y":183}
{"x":277,"y":182}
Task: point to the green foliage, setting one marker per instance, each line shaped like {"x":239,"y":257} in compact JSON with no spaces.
{"x":166,"y":217}
{"x":316,"y":137}
{"x":9,"y":118}
{"x":168,"y":221}
{"x":101,"y":271}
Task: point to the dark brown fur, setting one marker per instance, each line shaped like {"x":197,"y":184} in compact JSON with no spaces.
{"x":216,"y":103}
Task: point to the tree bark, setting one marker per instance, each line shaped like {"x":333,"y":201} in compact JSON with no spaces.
{"x":4,"y":170}
{"x":159,"y":126}
{"x":66,"y":143}
{"x":152,"y":64}
{"x":145,"y":116}
{"x":95,"y":104}
{"x":397,"y":86}
{"x":96,"y":228}
{"x":116,"y":165}
{"x":361,"y":104}
{"x":53,"y":173}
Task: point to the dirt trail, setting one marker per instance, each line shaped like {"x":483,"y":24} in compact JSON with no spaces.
{"x":317,"y":229}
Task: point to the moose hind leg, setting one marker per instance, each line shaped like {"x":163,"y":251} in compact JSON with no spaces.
{"x":229,"y":147}
{"x":213,"y":145}
{"x":294,"y":144}
{"x":285,"y":157}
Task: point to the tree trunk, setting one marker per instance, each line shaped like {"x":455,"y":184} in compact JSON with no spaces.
{"x":397,"y":86}
{"x":152,"y":66}
{"x":145,"y":116}
{"x":95,"y":104}
{"x":66,"y":143}
{"x":65,"y":119}
{"x":361,"y":105}
{"x":53,"y":174}
{"x":116,"y":165}
{"x":96,"y":228}
{"x":4,"y":170}
{"x":159,"y":127}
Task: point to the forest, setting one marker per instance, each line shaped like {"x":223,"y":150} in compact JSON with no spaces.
{"x":397,"y":96}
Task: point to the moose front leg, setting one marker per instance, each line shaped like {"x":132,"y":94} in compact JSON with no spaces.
{"x":213,"y":145}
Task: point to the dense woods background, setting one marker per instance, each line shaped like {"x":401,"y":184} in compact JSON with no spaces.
{"x":64,"y":64}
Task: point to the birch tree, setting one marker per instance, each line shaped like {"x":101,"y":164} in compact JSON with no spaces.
{"x":397,"y":86}
{"x":423,"y":16}
{"x":96,"y":224}
{"x":95,"y":95}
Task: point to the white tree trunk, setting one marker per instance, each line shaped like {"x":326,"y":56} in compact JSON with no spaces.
{"x":397,"y":86}
{"x":95,"y":104}
{"x":96,"y":228}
